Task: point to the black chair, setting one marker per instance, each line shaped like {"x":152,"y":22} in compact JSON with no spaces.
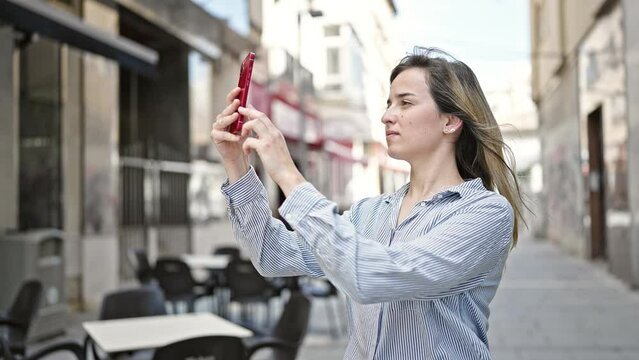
{"x":286,"y":337}
{"x":219,"y":277}
{"x":144,"y":301}
{"x":69,"y":347}
{"x":214,"y":347}
{"x":16,"y":322}
{"x":324,"y":289}
{"x":140,"y":262}
{"x":121,"y":304}
{"x":4,"y":350}
{"x":176,"y":281}
{"x":232,"y":251}
{"x":248,"y":287}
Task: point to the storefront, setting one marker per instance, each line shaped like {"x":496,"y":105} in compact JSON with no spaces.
{"x":60,"y":136}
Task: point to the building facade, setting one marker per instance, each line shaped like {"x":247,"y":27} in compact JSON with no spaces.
{"x":584,"y":56}
{"x":349,"y":59}
{"x":106,"y":110}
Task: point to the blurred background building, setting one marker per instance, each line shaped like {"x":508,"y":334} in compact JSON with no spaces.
{"x":342,"y":63}
{"x":107,"y":104}
{"x":585,"y":83}
{"x":106,"y":109}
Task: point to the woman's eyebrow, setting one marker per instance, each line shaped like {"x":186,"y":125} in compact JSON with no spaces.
{"x":401,"y":95}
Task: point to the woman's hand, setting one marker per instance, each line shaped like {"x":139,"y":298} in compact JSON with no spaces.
{"x":270,"y":146}
{"x":229,"y":145}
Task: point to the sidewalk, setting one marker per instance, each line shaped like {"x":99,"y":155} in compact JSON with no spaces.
{"x":550,"y":306}
{"x":554,"y":306}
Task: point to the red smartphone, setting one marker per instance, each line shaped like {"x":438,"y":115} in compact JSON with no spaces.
{"x":244,"y":83}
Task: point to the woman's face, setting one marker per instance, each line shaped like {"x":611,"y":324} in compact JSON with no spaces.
{"x":414,"y":125}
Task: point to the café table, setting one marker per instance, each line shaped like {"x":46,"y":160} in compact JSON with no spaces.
{"x":113,"y":336}
{"x":209,"y":262}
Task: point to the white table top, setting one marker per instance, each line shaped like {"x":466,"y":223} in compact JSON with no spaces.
{"x":156,"y":331}
{"x":212,"y":262}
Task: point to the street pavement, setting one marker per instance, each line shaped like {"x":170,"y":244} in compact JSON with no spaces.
{"x":550,"y":306}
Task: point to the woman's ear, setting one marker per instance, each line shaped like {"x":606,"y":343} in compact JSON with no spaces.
{"x":453,"y":124}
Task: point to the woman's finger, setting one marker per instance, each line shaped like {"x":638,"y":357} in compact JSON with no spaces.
{"x":232,"y":101}
{"x":251,"y":113}
{"x":223,"y":122}
{"x":230,"y":108}
{"x":221,"y":136}
{"x":233,"y":94}
{"x":256,"y":125}
{"x":249,"y":145}
{"x":261,"y":123}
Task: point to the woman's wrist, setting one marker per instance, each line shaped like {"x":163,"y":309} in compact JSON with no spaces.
{"x":235,"y":169}
{"x":288,"y":181}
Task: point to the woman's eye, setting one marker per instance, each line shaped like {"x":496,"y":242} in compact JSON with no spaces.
{"x":404,"y":103}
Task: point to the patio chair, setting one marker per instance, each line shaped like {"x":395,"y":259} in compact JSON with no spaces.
{"x":219,"y":277}
{"x":205,"y":347}
{"x":176,"y":281}
{"x":232,"y":251}
{"x":68,"y":347}
{"x":286,"y":337}
{"x":17,"y":320}
{"x":137,"y":302}
{"x":121,"y":304}
{"x":140,"y":262}
{"x":247,"y":286}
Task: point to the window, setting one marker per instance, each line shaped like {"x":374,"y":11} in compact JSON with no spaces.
{"x":331,"y":30}
{"x":332,"y":61}
{"x":357,"y":70}
{"x":40,"y":139}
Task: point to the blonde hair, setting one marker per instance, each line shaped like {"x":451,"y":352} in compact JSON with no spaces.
{"x":480,"y":150}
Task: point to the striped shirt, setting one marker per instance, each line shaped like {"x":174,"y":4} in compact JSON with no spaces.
{"x":415,"y":290}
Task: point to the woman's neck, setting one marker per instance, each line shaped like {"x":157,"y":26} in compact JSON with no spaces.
{"x":431,"y":175}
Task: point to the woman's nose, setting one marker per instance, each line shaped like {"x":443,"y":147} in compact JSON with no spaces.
{"x":388,"y":116}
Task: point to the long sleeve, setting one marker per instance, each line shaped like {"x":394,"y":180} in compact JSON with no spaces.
{"x":453,"y":256}
{"x":273,"y":249}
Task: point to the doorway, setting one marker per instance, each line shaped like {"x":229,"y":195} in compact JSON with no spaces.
{"x":596,"y":185}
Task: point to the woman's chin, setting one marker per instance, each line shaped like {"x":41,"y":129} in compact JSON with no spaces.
{"x":394,"y":155}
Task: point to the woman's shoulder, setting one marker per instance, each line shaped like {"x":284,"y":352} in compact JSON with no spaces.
{"x":372,"y":203}
{"x":474,"y":194}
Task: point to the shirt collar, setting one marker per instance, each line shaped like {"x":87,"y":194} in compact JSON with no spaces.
{"x":467,"y":187}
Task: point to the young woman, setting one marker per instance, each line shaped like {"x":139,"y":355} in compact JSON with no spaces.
{"x":420,"y":266}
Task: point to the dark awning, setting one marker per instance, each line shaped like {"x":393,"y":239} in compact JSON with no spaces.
{"x":44,"y":19}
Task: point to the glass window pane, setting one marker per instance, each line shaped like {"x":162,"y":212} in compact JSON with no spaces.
{"x":332,"y":61}
{"x":40,"y":159}
{"x":331,"y":30}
